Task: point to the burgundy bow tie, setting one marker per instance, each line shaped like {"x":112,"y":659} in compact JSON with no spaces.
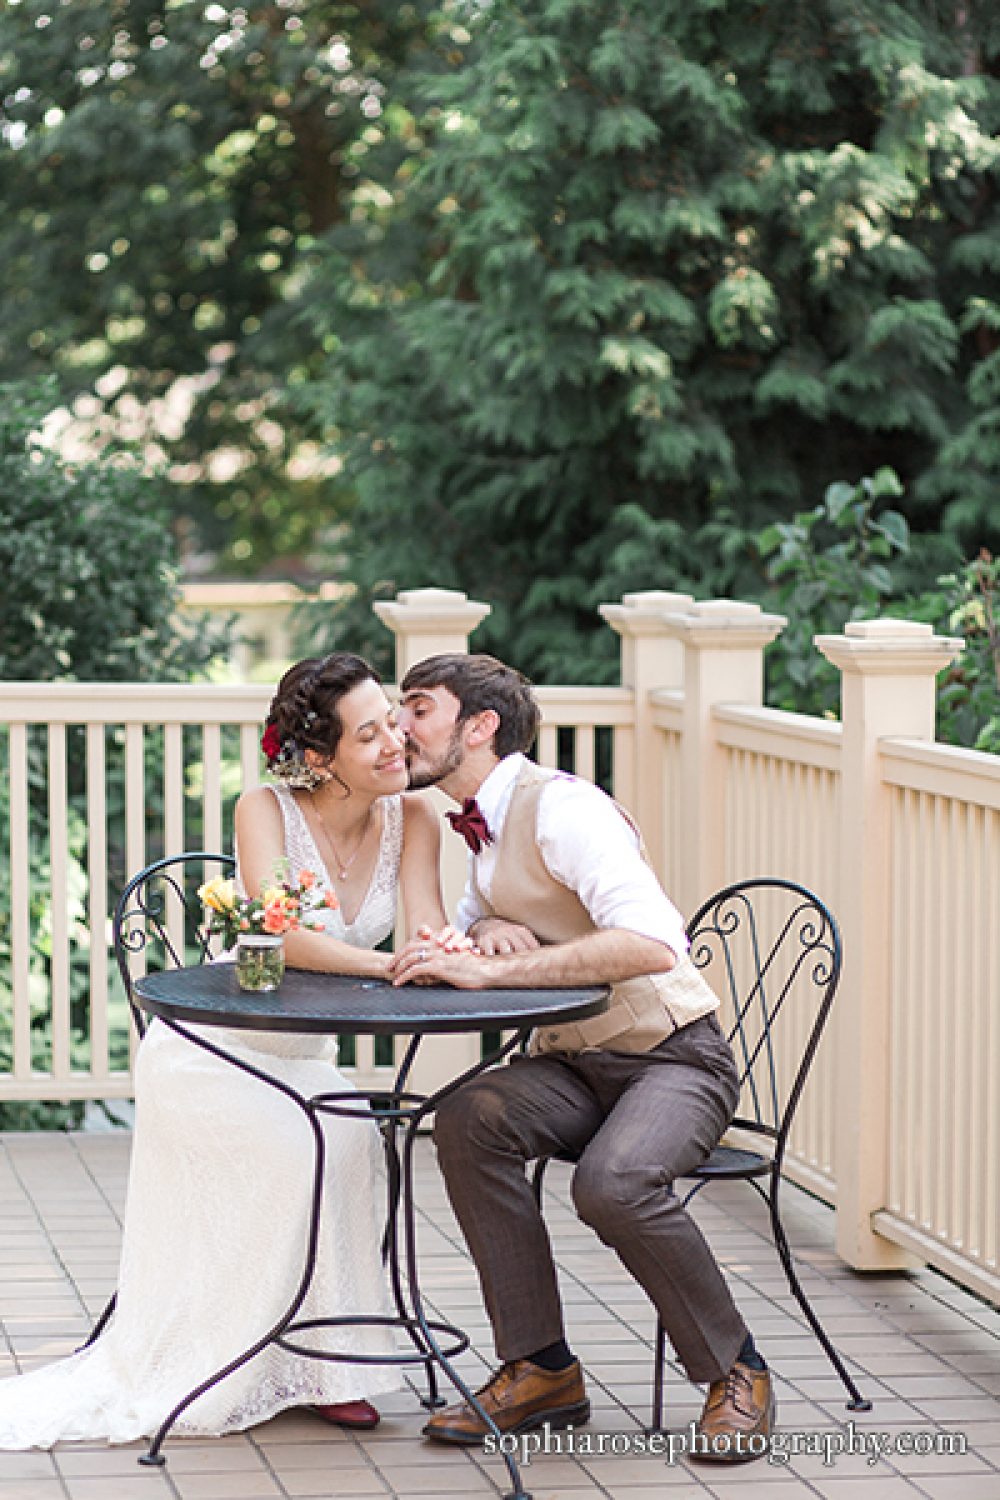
{"x":471,"y":824}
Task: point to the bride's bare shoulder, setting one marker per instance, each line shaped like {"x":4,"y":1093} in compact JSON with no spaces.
{"x":258,"y":805}
{"x":420,"y":819}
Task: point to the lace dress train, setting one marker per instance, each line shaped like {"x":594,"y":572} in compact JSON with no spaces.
{"x":216,"y":1222}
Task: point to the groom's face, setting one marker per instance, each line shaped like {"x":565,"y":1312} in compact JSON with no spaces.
{"x":435,"y":745}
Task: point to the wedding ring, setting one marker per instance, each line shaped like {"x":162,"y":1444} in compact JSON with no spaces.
{"x":424,"y":955}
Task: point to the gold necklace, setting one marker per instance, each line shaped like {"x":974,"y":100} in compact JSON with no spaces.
{"x":343,"y":865}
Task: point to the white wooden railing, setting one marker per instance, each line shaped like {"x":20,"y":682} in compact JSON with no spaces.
{"x":900,"y":836}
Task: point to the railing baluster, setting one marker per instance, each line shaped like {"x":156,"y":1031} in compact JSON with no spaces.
{"x":135,"y":831}
{"x":583,"y":752}
{"x":211,"y":759}
{"x":249,"y":756}
{"x":622,"y":760}
{"x":97,"y":897}
{"x":548,"y":745}
{"x":173,"y":821}
{"x":20,"y":900}
{"x":59,"y":897}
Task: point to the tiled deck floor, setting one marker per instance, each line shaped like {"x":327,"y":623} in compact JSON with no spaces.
{"x":925,"y":1351}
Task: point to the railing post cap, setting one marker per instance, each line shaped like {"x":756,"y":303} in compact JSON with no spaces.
{"x":434,"y":598}
{"x":644,"y":613}
{"x":656,"y":599}
{"x":888,"y":645}
{"x":888,"y":628}
{"x":431,"y":608}
{"x":726,"y":623}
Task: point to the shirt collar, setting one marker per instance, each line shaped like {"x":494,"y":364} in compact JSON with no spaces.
{"x":492,"y":793}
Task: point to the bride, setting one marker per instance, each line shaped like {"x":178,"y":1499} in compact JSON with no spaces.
{"x":219,"y":1188}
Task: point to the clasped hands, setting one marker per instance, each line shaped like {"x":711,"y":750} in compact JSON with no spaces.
{"x":467,"y":961}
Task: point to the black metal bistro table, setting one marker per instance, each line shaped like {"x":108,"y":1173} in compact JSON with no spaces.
{"x":209,"y":996}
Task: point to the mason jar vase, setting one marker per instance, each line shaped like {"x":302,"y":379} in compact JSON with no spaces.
{"x":260,"y":961}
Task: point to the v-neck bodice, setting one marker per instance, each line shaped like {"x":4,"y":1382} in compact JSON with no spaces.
{"x":376,"y":915}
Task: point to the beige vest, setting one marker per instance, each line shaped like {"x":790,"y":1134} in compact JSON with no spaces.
{"x":643,"y":1012}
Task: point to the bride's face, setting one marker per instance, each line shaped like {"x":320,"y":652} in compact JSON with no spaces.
{"x":369,"y":757}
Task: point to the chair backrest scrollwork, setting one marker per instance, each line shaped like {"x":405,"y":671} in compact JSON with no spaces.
{"x":159,"y":923}
{"x":771,"y":950}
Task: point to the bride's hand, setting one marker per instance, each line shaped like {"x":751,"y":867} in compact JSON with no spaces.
{"x":427,"y":943}
{"x":419,"y":963}
{"x":448,"y":939}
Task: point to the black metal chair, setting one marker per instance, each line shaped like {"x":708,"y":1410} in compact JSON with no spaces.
{"x":771,"y":950}
{"x":158,"y":915}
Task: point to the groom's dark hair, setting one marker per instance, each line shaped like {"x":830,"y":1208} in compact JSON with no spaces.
{"x":480,"y":682}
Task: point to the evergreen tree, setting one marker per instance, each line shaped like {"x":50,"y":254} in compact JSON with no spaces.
{"x":168,"y":168}
{"x":664,"y":267}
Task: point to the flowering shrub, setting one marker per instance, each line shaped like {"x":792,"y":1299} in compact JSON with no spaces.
{"x":281,"y":907}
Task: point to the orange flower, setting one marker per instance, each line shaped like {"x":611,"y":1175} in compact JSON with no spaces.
{"x":330,"y":900}
{"x":307,"y":879}
{"x":275,"y":920}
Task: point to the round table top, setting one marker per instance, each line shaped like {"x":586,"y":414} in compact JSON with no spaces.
{"x":208,"y":994}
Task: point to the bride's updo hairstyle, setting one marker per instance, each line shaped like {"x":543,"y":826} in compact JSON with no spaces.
{"x":304,"y":715}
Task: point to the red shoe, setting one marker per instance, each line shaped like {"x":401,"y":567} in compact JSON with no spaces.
{"x":349,"y":1414}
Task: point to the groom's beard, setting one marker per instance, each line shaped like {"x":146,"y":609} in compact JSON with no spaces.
{"x":429,"y":773}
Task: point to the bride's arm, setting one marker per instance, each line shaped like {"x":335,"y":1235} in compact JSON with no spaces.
{"x":420,"y":866}
{"x":260,"y":846}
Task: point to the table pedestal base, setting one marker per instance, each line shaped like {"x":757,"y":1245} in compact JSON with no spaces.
{"x":396,"y":1112}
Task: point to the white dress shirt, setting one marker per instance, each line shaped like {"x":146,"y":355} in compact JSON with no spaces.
{"x":585,"y":844}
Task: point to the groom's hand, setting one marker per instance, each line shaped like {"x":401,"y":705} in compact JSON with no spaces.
{"x":420,"y":963}
{"x":494,"y":935}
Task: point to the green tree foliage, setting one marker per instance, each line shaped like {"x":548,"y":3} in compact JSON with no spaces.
{"x":90,"y":594}
{"x":850,"y":558}
{"x":168,"y":169}
{"x":829,"y":565}
{"x":967,"y":603}
{"x":90,"y":580}
{"x":664,"y":265}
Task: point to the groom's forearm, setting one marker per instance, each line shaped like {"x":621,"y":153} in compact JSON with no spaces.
{"x":599,"y":958}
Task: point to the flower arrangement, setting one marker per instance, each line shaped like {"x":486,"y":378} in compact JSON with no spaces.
{"x":286,"y":758}
{"x":281,"y":907}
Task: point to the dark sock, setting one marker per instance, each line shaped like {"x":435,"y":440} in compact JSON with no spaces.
{"x":748,"y":1355}
{"x":557,"y":1356}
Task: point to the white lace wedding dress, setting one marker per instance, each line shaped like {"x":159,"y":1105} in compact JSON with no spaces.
{"x":215,"y":1231}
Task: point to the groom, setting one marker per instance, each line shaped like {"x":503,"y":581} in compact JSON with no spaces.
{"x":559,"y":894}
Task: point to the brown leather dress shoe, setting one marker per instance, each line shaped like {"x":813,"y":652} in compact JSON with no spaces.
{"x":736,"y":1422}
{"x":519,"y":1397}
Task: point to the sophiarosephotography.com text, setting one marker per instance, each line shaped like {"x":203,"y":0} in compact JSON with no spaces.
{"x":849,"y":1441}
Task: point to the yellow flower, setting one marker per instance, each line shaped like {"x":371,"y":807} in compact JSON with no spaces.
{"x":218,"y":894}
{"x":272,"y":894}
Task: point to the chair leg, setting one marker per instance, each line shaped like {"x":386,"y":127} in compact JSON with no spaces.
{"x":857,"y":1401}
{"x":101,"y":1324}
{"x":660,"y":1358}
{"x":536,"y":1178}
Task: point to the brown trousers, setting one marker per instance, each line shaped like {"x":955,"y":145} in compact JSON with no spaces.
{"x":637,"y":1122}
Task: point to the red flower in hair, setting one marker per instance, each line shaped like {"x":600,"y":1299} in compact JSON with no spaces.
{"x":270,"y":742}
